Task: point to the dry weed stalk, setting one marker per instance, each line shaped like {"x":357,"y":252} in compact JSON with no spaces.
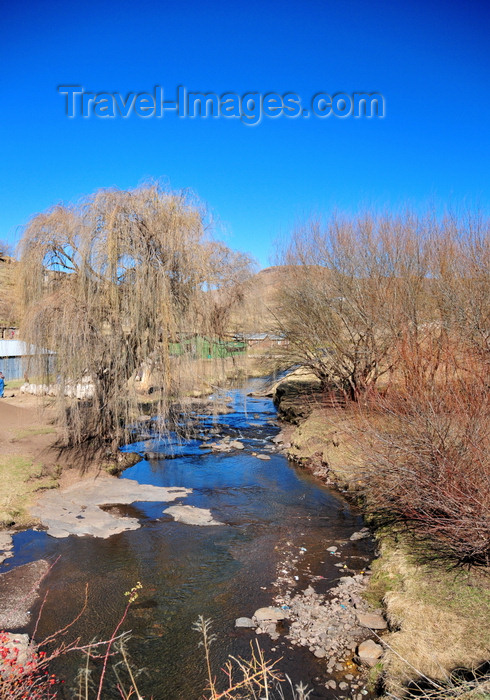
{"x":254,"y":678}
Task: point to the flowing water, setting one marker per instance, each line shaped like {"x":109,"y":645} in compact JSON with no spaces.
{"x":220,"y":572}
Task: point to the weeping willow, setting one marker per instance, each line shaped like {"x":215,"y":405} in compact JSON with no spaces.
{"x":113,"y":284}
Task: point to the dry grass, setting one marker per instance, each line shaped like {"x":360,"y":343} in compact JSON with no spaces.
{"x":441,"y":617}
{"x":330,"y":432}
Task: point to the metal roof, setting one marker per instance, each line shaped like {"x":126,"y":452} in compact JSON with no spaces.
{"x":18,"y":348}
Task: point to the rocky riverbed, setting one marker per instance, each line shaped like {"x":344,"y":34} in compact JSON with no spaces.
{"x":336,"y":625}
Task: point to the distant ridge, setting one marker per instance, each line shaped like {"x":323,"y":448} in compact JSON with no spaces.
{"x":261,"y":306}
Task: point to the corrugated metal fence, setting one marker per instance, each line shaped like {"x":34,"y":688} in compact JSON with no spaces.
{"x":12,"y":367}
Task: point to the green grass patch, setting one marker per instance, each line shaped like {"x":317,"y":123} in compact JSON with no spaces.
{"x":381,"y":582}
{"x":14,"y":383}
{"x":20,"y":478}
{"x":31,"y":432}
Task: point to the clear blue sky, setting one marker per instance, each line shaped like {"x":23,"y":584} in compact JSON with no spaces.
{"x":430,"y":59}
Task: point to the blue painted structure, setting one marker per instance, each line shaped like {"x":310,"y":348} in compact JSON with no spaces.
{"x":15,"y":355}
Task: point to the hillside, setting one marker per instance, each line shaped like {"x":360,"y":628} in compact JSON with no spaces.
{"x":8,"y":297}
{"x":261,"y":304}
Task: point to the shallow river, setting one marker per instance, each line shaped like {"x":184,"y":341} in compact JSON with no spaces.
{"x":269,"y":508}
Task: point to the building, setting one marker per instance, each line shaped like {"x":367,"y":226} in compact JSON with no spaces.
{"x":262,"y":340}
{"x":17,"y":359}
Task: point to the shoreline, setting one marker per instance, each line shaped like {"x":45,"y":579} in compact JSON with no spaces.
{"x":436,"y":616}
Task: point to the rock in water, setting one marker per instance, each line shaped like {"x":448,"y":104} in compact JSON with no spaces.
{"x":237,"y":445}
{"x":244,"y":622}
{"x":269,"y":615}
{"x":75,"y":510}
{"x":190,"y":515}
{"x":18,"y":592}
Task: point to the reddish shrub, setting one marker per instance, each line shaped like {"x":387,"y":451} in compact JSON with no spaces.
{"x":429,"y":465}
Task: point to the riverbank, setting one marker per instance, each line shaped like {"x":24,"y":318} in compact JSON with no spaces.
{"x":434,"y":616}
{"x":439,"y":617}
{"x":32,"y":460}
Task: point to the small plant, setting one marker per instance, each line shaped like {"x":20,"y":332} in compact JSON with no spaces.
{"x":24,"y":674}
{"x":246,"y":679}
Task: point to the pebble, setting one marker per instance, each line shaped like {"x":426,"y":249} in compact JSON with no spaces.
{"x":328,"y":624}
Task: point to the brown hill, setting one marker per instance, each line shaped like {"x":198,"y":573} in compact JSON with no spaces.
{"x":8,"y":295}
{"x":261,"y":304}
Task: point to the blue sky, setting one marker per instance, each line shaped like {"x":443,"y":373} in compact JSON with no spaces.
{"x":429,"y":59}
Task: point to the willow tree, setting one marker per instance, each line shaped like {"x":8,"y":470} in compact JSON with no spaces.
{"x":114,"y":283}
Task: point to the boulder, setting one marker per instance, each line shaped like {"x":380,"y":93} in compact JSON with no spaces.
{"x":269,"y":615}
{"x":369,"y":652}
{"x":372,"y":620}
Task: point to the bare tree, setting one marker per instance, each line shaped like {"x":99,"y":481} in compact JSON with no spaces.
{"x":366,"y":295}
{"x":116,"y":281}
{"x":352,"y":287}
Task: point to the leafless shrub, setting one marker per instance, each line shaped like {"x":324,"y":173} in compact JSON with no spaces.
{"x":395,"y":311}
{"x":367,"y":295}
{"x":354,"y":283}
{"x":428,"y":468}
